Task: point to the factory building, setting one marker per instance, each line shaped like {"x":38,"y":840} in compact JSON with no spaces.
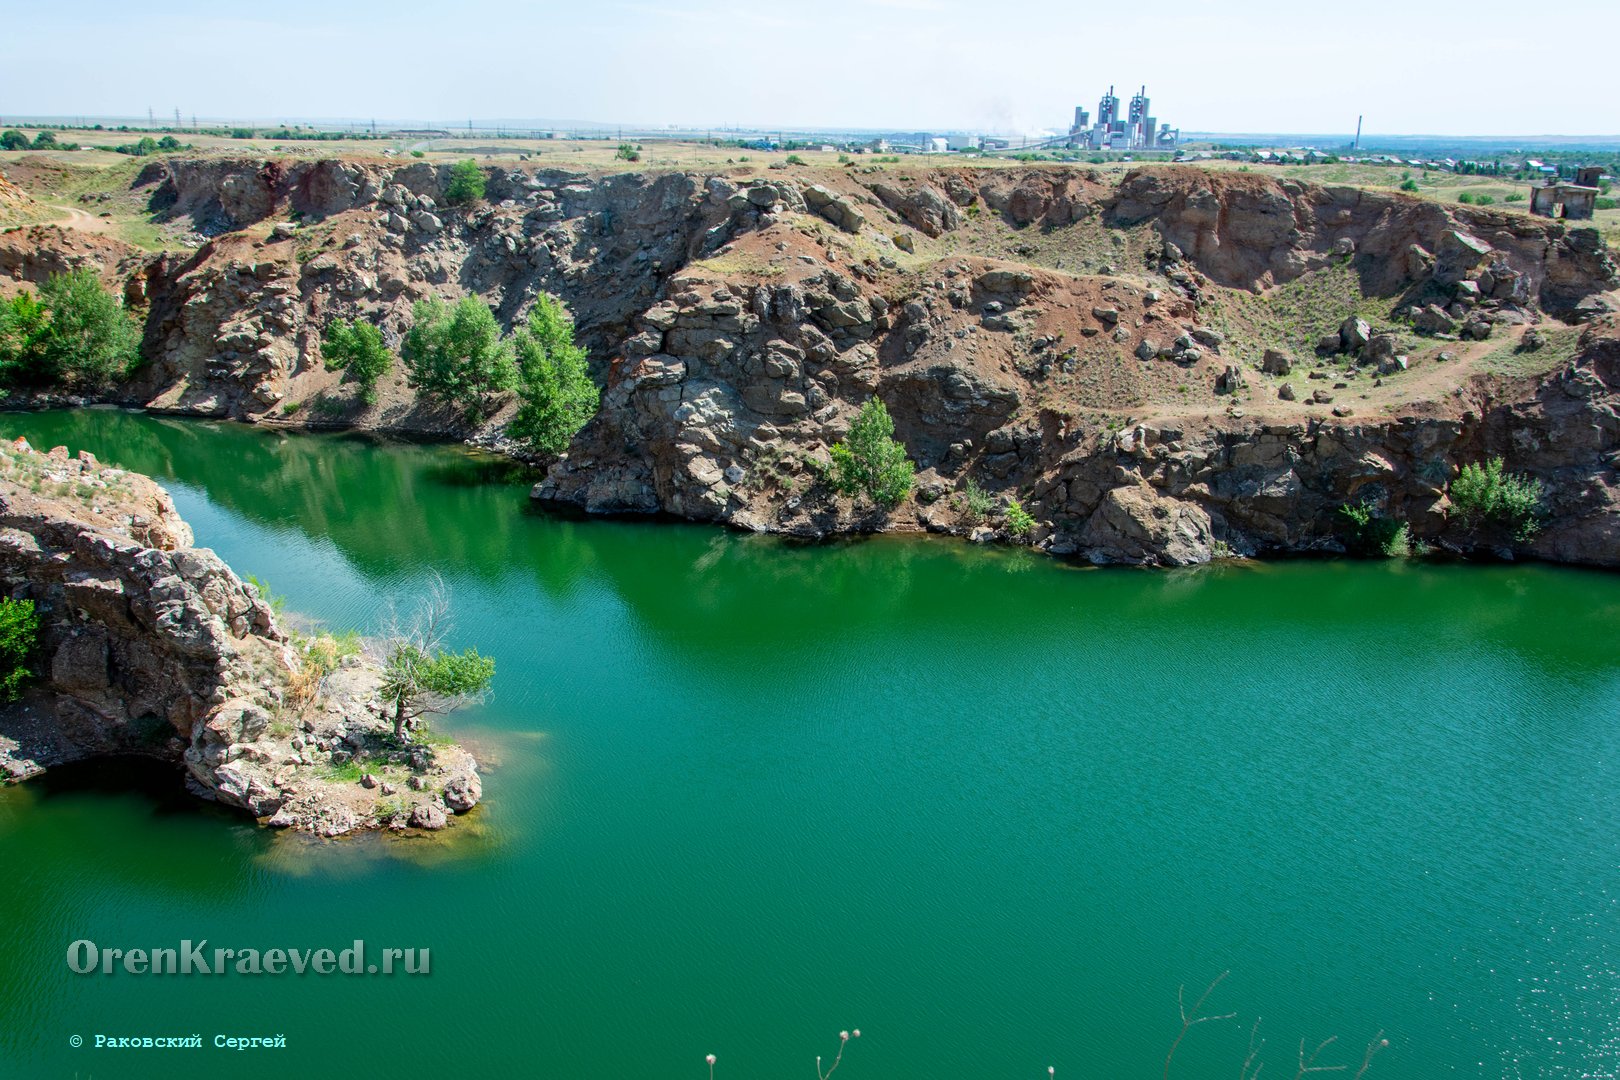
{"x":1139,"y":130}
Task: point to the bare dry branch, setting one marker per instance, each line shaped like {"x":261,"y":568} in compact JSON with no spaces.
{"x":1190,"y":1020}
{"x":1378,"y":1043}
{"x":1255,"y":1045}
{"x":1309,"y":1065}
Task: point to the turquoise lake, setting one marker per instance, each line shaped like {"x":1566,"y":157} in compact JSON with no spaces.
{"x":989,"y":808}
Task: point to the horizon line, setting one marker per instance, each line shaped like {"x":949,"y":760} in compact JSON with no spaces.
{"x":487,"y":125}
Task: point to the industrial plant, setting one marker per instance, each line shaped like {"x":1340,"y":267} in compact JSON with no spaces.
{"x":1138,"y":130}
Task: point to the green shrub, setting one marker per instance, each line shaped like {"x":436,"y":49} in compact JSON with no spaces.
{"x":976,"y":500}
{"x":91,"y":340}
{"x":19,"y":638}
{"x":1489,"y":494}
{"x":241,"y":133}
{"x":13,"y":140}
{"x":1019,"y":521}
{"x":358,"y":348}
{"x":554,"y":384}
{"x":1601,"y":203}
{"x":466,"y":183}
{"x":276,"y":602}
{"x":626,"y":152}
{"x":22,"y":328}
{"x":76,"y":334}
{"x":795,"y":159}
{"x":456,"y":354}
{"x":1371,"y":533}
{"x":418,"y":154}
{"x":1409,"y":184}
{"x":869,"y":459}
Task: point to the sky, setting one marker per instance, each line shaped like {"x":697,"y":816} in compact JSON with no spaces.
{"x":1479,"y":68}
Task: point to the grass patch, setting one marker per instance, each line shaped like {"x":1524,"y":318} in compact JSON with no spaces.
{"x":349,"y":772}
{"x":1560,"y":347}
{"x":141,"y":233}
{"x":1294,"y":316}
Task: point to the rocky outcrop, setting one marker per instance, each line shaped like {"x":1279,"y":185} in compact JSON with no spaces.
{"x":1247,"y":231}
{"x":150,"y":646}
{"x":738,"y":320}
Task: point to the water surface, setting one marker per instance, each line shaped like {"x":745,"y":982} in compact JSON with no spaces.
{"x":991,"y":809}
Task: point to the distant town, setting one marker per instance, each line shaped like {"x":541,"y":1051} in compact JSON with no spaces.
{"x":1570,"y":175}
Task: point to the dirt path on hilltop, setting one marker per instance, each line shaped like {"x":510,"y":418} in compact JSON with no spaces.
{"x":81,"y":220}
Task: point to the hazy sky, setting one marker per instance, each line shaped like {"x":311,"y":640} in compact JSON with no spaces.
{"x":1259,"y":65}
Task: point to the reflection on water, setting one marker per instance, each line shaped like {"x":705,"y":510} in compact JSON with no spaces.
{"x":744,"y":792}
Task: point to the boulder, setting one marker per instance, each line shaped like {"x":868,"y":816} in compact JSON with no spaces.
{"x":1354,"y":334}
{"x":428,"y":815}
{"x":463,"y":793}
{"x":1433,"y":320}
{"x":835,"y":208}
{"x":1137,"y":525}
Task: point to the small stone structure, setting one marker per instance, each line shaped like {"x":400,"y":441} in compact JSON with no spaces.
{"x":1575,"y":201}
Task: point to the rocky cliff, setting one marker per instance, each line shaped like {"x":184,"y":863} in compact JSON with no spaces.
{"x":1159,"y":366}
{"x":150,"y":646}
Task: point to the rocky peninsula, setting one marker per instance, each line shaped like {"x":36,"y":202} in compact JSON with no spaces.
{"x":150,"y":646}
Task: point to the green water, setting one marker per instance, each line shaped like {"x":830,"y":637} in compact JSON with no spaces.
{"x":990,"y":809}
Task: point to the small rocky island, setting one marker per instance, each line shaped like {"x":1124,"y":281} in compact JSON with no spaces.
{"x":149,"y":646}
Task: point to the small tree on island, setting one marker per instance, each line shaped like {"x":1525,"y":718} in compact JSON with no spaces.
{"x":869,"y":459}
{"x":466,"y":183}
{"x":358,"y":348}
{"x":554,"y":385}
{"x":420,"y":676}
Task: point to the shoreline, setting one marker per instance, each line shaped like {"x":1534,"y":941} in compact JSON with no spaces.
{"x":853,"y":526}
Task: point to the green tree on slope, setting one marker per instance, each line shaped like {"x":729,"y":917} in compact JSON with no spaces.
{"x":456,"y":354}
{"x":358,"y":348}
{"x":870,"y":460}
{"x":554,"y":385}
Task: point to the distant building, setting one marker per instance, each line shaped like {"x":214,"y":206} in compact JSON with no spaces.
{"x":963,"y":142}
{"x":1139,"y":130}
{"x":1574,"y":202}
